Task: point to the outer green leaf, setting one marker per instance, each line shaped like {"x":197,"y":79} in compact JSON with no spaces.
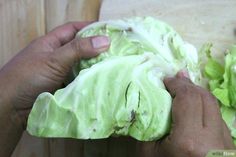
{"x":229,"y":116}
{"x":214,"y":84}
{"x":223,"y":86}
{"x":214,"y":70}
{"x":222,"y":95}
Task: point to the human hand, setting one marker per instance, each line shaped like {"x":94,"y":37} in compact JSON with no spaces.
{"x":197,"y":124}
{"x":44,"y":65}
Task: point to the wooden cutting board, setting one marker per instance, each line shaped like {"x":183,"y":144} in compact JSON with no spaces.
{"x":197,"y":21}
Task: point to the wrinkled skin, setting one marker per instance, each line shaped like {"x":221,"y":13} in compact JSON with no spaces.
{"x":45,"y":64}
{"x":42,"y":66}
{"x":197,"y":124}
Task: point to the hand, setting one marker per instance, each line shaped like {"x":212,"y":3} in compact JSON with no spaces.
{"x":44,"y":65}
{"x":197,"y":124}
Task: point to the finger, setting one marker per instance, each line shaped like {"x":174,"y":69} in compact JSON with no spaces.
{"x":182,"y":74}
{"x":187,"y":103}
{"x":79,"y":48}
{"x":174,"y":83}
{"x":211,"y":112}
{"x":64,"y":34}
{"x":227,"y":137}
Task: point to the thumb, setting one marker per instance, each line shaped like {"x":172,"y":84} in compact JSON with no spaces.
{"x":79,"y":48}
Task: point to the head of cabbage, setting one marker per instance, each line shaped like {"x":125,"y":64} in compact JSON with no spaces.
{"x":121,"y":91}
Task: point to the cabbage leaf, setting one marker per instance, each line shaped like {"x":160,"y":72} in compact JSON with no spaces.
{"x":222,"y":83}
{"x":121,"y":91}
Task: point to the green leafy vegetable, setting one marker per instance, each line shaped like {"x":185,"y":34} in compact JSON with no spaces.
{"x":120,"y":92}
{"x":222,"y":82}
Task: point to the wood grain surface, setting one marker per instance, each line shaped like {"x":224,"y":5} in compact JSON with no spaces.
{"x":197,"y":21}
{"x":24,"y":20}
{"x":21,"y":21}
{"x":60,"y":11}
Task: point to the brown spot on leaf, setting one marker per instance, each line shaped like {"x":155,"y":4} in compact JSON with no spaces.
{"x":117,"y":128}
{"x":133,"y":114}
{"x":129,"y":29}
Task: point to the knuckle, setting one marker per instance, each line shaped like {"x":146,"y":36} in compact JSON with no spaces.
{"x":183,"y":90}
{"x":39,"y":41}
{"x":76,"y":47}
{"x":189,"y":147}
{"x":186,"y":145}
{"x":44,"y":41}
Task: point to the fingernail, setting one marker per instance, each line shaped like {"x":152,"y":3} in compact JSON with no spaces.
{"x":100,"y":42}
{"x":183,"y":73}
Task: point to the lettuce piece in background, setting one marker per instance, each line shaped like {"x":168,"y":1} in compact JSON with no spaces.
{"x":120,"y":92}
{"x":229,"y":116}
{"x":222,"y":82}
{"x":222,"y":79}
